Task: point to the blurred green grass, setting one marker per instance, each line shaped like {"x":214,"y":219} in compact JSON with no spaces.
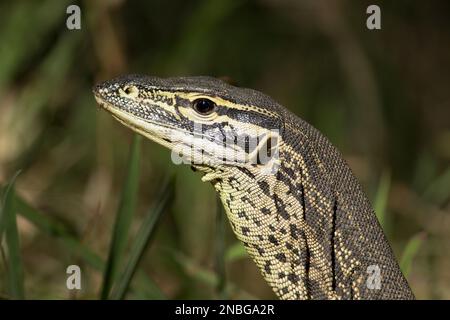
{"x":13,"y":258}
{"x":123,"y":219}
{"x":381,"y":97}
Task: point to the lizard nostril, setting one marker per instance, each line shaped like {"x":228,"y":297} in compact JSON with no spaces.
{"x":100,"y":88}
{"x":96,"y":89}
{"x":129,"y":91}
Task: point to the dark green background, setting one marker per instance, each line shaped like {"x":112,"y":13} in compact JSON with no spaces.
{"x":382,"y":97}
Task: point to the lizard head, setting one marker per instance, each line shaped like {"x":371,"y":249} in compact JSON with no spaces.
{"x":204,"y":121}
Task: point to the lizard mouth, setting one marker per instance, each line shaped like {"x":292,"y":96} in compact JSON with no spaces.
{"x":163,"y":134}
{"x":101,"y":104}
{"x":154,"y":131}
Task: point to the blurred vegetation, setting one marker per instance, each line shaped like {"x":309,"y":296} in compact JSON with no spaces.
{"x":382,"y":97}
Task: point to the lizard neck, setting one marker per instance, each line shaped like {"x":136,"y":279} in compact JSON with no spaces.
{"x":309,"y":227}
{"x":267,"y":213}
{"x":353,"y":250}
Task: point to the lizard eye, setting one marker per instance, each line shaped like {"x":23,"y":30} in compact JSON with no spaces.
{"x":204,"y":106}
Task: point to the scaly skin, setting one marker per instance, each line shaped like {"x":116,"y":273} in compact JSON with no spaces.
{"x":306,"y":222}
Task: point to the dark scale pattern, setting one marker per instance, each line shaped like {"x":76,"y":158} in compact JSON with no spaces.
{"x":280,"y":257}
{"x":308,"y":226}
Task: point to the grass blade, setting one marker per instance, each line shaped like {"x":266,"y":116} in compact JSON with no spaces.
{"x":381,"y":199}
{"x":410,"y":252}
{"x":236,"y":252}
{"x":60,"y":231}
{"x":123,"y":218}
{"x":143,"y":238}
{"x":206,"y":276}
{"x":220,"y":250}
{"x":8,"y":225}
{"x":439,"y":190}
{"x":2,"y":213}
{"x":46,"y":224}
